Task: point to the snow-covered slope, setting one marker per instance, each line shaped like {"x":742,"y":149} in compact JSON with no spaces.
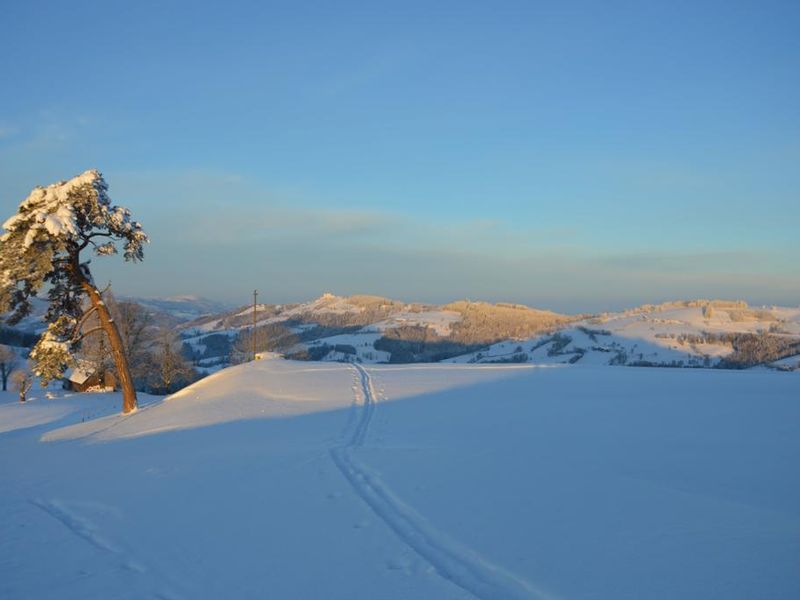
{"x":282,"y":479}
{"x":335,"y":328}
{"x":330,"y":310}
{"x":183,"y":308}
{"x":34,"y":322}
{"x":686,"y":334}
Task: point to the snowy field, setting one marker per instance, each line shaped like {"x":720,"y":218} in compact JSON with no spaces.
{"x":284,"y":479}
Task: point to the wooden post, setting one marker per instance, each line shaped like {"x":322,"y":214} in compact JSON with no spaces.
{"x":255,"y":296}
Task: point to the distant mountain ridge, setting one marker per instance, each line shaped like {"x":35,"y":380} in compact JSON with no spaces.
{"x":173,"y":310}
{"x":369,"y":329}
{"x":364,"y":327}
{"x":184,"y":308}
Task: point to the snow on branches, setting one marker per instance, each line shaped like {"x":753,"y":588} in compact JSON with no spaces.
{"x":42,"y":245}
{"x":51,"y":354}
{"x":74,"y":212}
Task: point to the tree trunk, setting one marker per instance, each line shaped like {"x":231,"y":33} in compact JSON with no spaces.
{"x":114,"y":339}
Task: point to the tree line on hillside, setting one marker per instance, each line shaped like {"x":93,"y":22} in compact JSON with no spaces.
{"x":414,"y":343}
{"x":747,"y":349}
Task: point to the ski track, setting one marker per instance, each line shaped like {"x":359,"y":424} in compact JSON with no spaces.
{"x":83,"y":528}
{"x":455,"y":562}
{"x":86,"y":529}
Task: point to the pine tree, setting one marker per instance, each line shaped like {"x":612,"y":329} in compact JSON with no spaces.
{"x":42,"y":247}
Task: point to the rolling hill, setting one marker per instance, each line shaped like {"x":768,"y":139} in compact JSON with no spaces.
{"x":370,"y":329}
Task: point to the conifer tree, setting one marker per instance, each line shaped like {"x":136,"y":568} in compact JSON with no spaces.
{"x":42,"y":247}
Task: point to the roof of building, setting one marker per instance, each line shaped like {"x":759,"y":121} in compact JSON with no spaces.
{"x":82,"y":371}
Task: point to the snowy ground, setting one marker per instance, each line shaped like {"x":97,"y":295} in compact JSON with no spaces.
{"x":280,"y":479}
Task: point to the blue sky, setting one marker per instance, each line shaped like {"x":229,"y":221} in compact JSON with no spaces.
{"x":579,"y":156}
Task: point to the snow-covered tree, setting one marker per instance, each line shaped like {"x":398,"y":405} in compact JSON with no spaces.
{"x":42,"y":247}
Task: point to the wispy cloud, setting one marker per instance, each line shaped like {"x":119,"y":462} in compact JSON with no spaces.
{"x":303,"y":225}
{"x":244,"y":233}
{"x":227,"y":208}
{"x":677,"y":261}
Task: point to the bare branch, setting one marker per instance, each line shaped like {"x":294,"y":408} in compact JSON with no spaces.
{"x":83,"y":320}
{"x":88,"y":333}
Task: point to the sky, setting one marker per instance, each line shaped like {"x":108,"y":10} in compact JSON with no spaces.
{"x":577,"y":156}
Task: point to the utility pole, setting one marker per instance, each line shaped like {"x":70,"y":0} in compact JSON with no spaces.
{"x":255,"y":297}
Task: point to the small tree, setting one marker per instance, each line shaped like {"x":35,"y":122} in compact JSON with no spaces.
{"x":138,"y":332}
{"x":172,"y":370}
{"x":8,"y":362}
{"x":22,"y":383}
{"x":43,"y":245}
{"x":135,"y":325}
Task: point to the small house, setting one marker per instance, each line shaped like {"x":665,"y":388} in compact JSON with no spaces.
{"x":87,"y":376}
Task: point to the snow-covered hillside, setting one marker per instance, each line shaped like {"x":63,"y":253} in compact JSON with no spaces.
{"x":34,"y":322}
{"x":685,"y":334}
{"x":366,"y":329}
{"x":284,"y":479}
{"x":369,"y":311}
{"x":182,"y":308}
{"x":370,"y":330}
